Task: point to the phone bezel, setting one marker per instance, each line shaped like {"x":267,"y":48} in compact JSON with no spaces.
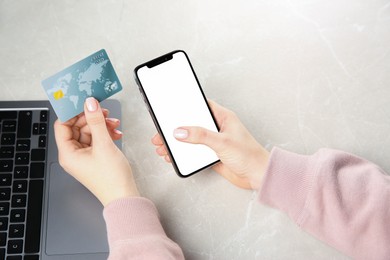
{"x":155,"y":62}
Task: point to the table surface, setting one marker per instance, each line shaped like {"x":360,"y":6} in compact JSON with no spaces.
{"x":301,"y":75}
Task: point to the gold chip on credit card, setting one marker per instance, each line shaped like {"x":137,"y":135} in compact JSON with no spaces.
{"x":58,"y":94}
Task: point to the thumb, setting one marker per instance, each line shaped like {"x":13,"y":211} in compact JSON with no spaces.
{"x":199,"y":135}
{"x":96,"y":121}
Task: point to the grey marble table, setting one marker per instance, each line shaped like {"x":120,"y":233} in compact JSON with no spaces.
{"x":300,"y":74}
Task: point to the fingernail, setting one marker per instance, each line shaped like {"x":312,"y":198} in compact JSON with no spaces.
{"x":180,"y":133}
{"x":114,"y":120}
{"x":117,"y":132}
{"x":91,"y":104}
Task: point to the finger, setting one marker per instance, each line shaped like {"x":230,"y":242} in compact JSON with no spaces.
{"x":62,"y":133}
{"x":161,"y":150}
{"x":199,"y":135}
{"x":81,"y":121}
{"x":157,"y":140}
{"x":84,"y":136}
{"x":112,"y":123}
{"x":218,"y":111}
{"x":106,"y":112}
{"x":115,"y":134}
{"x":65,"y":142}
{"x":96,"y":122}
{"x":167,"y":159}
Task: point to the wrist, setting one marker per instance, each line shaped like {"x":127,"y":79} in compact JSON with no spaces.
{"x":262,"y":159}
{"x":117,"y":196}
{"x":119,"y":193}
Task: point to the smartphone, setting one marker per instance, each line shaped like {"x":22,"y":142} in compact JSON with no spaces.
{"x":175,"y":98}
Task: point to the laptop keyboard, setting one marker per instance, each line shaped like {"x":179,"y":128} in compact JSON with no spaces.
{"x":23,"y":144}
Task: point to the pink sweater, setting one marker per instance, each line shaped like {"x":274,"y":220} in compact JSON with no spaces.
{"x":337,"y":197}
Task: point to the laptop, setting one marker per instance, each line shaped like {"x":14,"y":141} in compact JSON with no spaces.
{"x":44,"y":212}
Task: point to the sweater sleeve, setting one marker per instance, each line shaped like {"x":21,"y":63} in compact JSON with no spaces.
{"x":337,"y":197}
{"x":135,"y":232}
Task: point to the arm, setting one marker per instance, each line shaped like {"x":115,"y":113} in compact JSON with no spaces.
{"x":335,"y":196}
{"x":134,"y":231}
{"x":87,"y":152}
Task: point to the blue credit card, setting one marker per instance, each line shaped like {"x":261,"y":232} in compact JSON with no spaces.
{"x":93,"y":76}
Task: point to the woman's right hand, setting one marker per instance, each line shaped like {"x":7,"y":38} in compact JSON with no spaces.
{"x":243,"y":159}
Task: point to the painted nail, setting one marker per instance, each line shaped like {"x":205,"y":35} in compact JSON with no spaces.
{"x":180,"y":133}
{"x":114,"y":120}
{"x":91,"y":104}
{"x":118,"y":132}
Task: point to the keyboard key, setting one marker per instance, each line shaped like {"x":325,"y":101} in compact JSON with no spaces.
{"x":5,"y":194}
{"x":21,"y":172}
{"x":5,"y":180}
{"x":42,"y":128}
{"x":6,"y":165}
{"x":3,"y":238}
{"x":24,"y":124}
{"x":43,"y":115}
{"x":31,"y":257}
{"x":19,"y":186}
{"x":4,"y":208}
{"x":15,"y":246}
{"x":16,"y":231}
{"x":8,"y":139}
{"x":37,"y":170}
{"x":38,"y":154}
{"x":35,"y":129}
{"x":7,"y":115}
{"x":3,"y":224}
{"x":17,"y":215}
{"x":22,"y":158}
{"x":19,"y":201}
{"x":7,"y":152}
{"x":9,"y":126}
{"x":14,"y":257}
{"x":34,"y":215}
{"x":2,"y":253}
{"x":23,"y":145}
{"x":42,"y":141}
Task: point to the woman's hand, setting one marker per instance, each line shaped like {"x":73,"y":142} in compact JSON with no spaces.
{"x":87,"y":152}
{"x":243,"y":159}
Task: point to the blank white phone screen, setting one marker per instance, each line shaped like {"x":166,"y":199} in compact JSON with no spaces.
{"x":176,"y":100}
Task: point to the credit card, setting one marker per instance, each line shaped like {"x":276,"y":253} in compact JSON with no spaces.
{"x":93,"y":76}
